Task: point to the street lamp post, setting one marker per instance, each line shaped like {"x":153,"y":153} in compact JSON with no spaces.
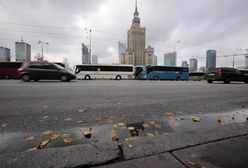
{"x":42,"y":43}
{"x":90,"y":49}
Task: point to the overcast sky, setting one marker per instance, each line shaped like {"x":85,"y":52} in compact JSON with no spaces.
{"x":64,"y":24}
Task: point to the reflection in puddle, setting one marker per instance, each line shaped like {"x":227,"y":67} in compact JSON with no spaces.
{"x":20,"y":141}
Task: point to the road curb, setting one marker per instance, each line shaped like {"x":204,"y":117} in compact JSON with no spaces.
{"x":147,"y":146}
{"x":71,"y":156}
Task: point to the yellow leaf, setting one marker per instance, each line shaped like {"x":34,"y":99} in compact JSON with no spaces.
{"x":221,"y":120}
{"x":67,"y":140}
{"x":158,"y":126}
{"x":87,"y":133}
{"x":196,"y":119}
{"x":130,"y":146}
{"x":169,"y":115}
{"x":48,"y":132}
{"x":82,"y":110}
{"x":150,"y":134}
{"x":114,"y":135}
{"x":43,"y":144}
{"x":146,"y":125}
{"x":30,"y":138}
{"x":32,"y":149}
{"x":194,"y":165}
{"x":3,"y":125}
{"x":54,"y":136}
{"x":80,"y":121}
{"x":131,"y":128}
{"x":152,"y":122}
{"x":65,"y":135}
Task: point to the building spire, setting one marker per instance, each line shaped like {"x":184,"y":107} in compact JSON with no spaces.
{"x":136,"y":13}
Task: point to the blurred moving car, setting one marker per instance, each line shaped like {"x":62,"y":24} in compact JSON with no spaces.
{"x":227,"y":75}
{"x":44,"y":70}
{"x":196,"y":76}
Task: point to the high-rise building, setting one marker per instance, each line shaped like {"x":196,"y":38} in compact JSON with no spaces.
{"x":185,"y":64}
{"x":193,"y":65}
{"x":122,"y":50}
{"x":155,"y":60}
{"x":246,"y":61}
{"x":94,"y":59}
{"x":170,"y":59}
{"x":135,"y":53}
{"x":211,"y":59}
{"x":23,"y":51}
{"x":4,"y":54}
{"x":149,"y":56}
{"x":85,"y":54}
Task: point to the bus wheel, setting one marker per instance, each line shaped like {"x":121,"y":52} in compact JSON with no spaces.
{"x":118,"y":77}
{"x":87,"y":77}
{"x":156,"y":78}
{"x":26,"y":78}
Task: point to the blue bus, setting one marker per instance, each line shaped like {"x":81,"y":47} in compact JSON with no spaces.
{"x":164,"y":73}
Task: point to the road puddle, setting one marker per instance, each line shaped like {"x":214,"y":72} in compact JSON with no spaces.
{"x":101,"y":133}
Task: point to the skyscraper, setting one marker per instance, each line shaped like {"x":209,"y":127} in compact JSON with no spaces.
{"x":23,"y":51}
{"x":136,"y":42}
{"x":246,"y":61}
{"x":94,"y":59}
{"x":193,"y":65}
{"x":4,"y":54}
{"x":85,"y":54}
{"x":211,"y":59}
{"x":149,"y":56}
{"x":170,"y":59}
{"x":122,"y":50}
{"x":155,"y":60}
{"x":185,"y":64}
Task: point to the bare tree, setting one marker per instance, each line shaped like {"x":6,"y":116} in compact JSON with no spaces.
{"x":38,"y":57}
{"x":66,"y":62}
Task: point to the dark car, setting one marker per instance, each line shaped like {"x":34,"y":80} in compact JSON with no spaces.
{"x":44,"y":70}
{"x":227,"y":75}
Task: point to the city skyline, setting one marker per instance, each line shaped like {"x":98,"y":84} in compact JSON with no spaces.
{"x":206,"y":31}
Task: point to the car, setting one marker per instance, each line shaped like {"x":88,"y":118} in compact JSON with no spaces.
{"x":226,"y":75}
{"x":44,"y":70}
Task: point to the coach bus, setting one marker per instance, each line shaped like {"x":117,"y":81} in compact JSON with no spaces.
{"x":9,"y":70}
{"x":165,"y":73}
{"x":117,"y":72}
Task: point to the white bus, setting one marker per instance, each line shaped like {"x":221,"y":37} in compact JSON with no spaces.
{"x":117,"y":72}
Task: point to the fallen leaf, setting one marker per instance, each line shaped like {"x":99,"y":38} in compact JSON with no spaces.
{"x":43,"y":144}
{"x":45,"y":117}
{"x":82,"y":110}
{"x":130,"y":146}
{"x":31,"y":149}
{"x":3,"y":125}
{"x":80,"y":121}
{"x":196,"y":119}
{"x":156,"y":133}
{"x":152,"y":122}
{"x":169,"y":115}
{"x":67,"y":119}
{"x":221,"y":120}
{"x":48,"y":132}
{"x":146,"y":125}
{"x":194,"y":165}
{"x":114,"y":135}
{"x":30,"y":138}
{"x":65,"y":135}
{"x":158,"y":126}
{"x":131,"y":128}
{"x":121,"y":124}
{"x":67,"y":140}
{"x":87,"y":133}
{"x":150,"y":134}
{"x":45,"y":106}
{"x":54,"y":136}
{"x":131,"y":138}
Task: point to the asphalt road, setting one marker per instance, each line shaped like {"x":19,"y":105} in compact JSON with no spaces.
{"x":38,"y":106}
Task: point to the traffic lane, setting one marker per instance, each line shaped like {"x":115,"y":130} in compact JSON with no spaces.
{"x":50,"y":105}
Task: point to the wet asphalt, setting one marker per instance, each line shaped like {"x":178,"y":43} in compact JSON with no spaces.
{"x":28,"y":109}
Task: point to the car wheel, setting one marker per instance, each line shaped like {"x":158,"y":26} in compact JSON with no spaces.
{"x":118,"y":77}
{"x":156,"y":78}
{"x":64,"y":78}
{"x":227,"y":80}
{"x":210,"y":81}
{"x":36,"y":80}
{"x":6,"y":76}
{"x":87,"y":77}
{"x":26,"y":78}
